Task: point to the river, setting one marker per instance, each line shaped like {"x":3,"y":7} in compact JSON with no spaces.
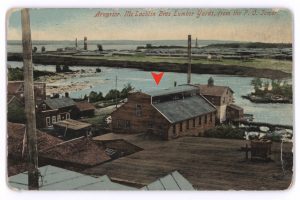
{"x":142,"y":80}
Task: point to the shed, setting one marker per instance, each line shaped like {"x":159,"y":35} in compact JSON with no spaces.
{"x":71,"y":128}
{"x":83,"y":109}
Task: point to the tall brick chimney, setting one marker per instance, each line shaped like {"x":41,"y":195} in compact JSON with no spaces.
{"x":189,"y":59}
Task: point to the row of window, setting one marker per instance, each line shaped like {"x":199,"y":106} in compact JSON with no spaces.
{"x":208,"y":117}
{"x":54,"y":119}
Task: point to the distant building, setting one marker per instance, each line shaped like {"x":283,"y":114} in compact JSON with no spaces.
{"x":16,"y":89}
{"x":167,"y":113}
{"x":83,"y":109}
{"x":16,"y":100}
{"x":51,"y":111}
{"x":221,"y":97}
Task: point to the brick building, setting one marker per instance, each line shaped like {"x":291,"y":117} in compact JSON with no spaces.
{"x":167,"y":113}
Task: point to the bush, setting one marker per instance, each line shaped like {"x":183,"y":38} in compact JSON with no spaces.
{"x":225,"y":131}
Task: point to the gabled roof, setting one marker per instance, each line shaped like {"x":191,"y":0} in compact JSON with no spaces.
{"x":84,"y":106}
{"x":173,"y":90}
{"x":183,"y":109}
{"x":83,"y":151}
{"x":55,"y":178}
{"x":16,"y":133}
{"x":173,"y":181}
{"x":57,"y":103}
{"x":214,"y":90}
{"x":14,"y":86}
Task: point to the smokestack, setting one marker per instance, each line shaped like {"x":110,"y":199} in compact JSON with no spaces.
{"x":76,"y":44}
{"x":85,"y":43}
{"x":196,"y":45}
{"x":189,"y":59}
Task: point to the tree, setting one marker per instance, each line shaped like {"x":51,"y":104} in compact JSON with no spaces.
{"x":257,"y":84}
{"x":58,"y":68}
{"x":98,"y":70}
{"x":266,"y":86}
{"x":34,"y":49}
{"x":93,"y":96}
{"x":99,"y":46}
{"x":210,"y":81}
{"x":125,"y":91}
{"x":43,"y":49}
{"x":112,"y":94}
{"x":66,"y":68}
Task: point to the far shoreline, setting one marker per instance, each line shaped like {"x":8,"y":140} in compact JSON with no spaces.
{"x":198,"y":68}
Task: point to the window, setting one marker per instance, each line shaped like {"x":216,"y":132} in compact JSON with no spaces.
{"x":174,"y":129}
{"x":224,"y":99}
{"x":127,"y":124}
{"x":138,"y":110}
{"x":205,"y":119}
{"x":194,"y":122}
{"x":48,"y":122}
{"x":53,"y":119}
{"x":180,"y":127}
{"x":68,"y":116}
{"x":44,"y":106}
{"x":58,"y":118}
{"x":120,"y":123}
{"x":200,"y":120}
{"x":187,"y":124}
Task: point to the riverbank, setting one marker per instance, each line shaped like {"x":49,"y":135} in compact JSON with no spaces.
{"x":55,"y":82}
{"x":245,"y":69}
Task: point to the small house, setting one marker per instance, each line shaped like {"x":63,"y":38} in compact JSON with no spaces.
{"x":54,"y":110}
{"x":83,"y":109}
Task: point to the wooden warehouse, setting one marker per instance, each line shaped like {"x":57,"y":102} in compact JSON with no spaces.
{"x":168,"y":113}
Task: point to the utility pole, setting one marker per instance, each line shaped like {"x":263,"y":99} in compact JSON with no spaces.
{"x":189,"y":59}
{"x":116,"y":91}
{"x":33,"y":174}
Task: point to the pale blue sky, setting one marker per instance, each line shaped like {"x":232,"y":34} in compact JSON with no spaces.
{"x":67,"y":24}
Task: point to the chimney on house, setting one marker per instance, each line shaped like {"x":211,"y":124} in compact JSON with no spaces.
{"x":85,"y":43}
{"x":67,"y":94}
{"x":189,"y":59}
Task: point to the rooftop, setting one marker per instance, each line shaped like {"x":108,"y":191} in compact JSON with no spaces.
{"x":16,"y":133}
{"x":57,"y":103}
{"x":213,"y":90}
{"x":179,"y":110}
{"x":173,"y":90}
{"x":173,"y":181}
{"x":54,"y":178}
{"x":72,"y":124}
{"x":83,"y":106}
{"x":82,"y":151}
{"x":207,"y":163}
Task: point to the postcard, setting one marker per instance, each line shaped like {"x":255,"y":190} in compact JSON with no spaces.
{"x":150,"y":99}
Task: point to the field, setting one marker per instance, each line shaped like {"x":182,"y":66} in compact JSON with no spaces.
{"x":208,"y":163}
{"x":282,"y":65}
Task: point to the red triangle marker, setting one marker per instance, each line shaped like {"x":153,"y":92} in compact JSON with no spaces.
{"x":157,"y":76}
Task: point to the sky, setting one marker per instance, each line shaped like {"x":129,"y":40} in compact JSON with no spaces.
{"x":253,"y":25}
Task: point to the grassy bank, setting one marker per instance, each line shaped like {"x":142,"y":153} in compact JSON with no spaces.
{"x":282,"y":65}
